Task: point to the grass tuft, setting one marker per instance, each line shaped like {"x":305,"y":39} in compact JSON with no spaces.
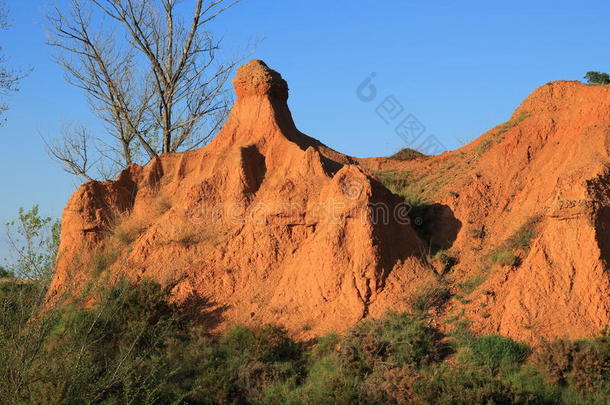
{"x":498,"y":135}
{"x":505,"y":254}
{"x":162,"y":205}
{"x":504,"y":257}
{"x":430,"y":296}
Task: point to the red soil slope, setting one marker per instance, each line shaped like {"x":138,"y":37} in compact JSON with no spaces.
{"x":266,"y":224}
{"x":548,"y":170}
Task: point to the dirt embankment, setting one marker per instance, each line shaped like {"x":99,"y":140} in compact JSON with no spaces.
{"x":266,"y":224}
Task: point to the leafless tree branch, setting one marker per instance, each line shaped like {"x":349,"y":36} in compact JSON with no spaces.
{"x":155,"y":82}
{"x":9,"y":78}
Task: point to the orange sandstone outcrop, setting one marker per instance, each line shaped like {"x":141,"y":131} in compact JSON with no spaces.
{"x":265,"y":224}
{"x":545,"y":171}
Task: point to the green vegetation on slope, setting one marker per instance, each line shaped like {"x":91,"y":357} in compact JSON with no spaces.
{"x":418,"y":191}
{"x":498,"y":135}
{"x":507,"y":253}
{"x":407,"y":154}
{"x":134,"y":346}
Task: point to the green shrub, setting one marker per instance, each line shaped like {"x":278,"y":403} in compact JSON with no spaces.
{"x":19,"y":300}
{"x":498,"y":135}
{"x":494,"y":352}
{"x":259,"y":360}
{"x":396,"y":340}
{"x":407,"y":154}
{"x":393,"y":385}
{"x":102,"y":259}
{"x":597,"y":78}
{"x":485,"y":145}
{"x":199,"y":369}
{"x":394,"y":181}
{"x":327,"y":382}
{"x":131,"y":344}
{"x":108,"y":352}
{"x":583,"y":365}
{"x":4,"y":273}
{"x":510,"y":124}
{"x":35,"y":240}
{"x":127,"y":236}
{"x":464,"y":385}
{"x":556,"y":359}
{"x":267,"y":343}
{"x":402,"y":184}
{"x":325,"y":345}
{"x":530,"y":379}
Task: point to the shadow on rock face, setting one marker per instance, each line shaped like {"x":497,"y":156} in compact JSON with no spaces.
{"x":602,"y":231}
{"x":436,"y":226}
{"x":255,"y":167}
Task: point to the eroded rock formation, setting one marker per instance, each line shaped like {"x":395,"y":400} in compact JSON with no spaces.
{"x":265,"y":224}
{"x":532,"y":200}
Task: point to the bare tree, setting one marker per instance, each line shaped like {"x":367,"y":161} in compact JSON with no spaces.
{"x":9,"y":78}
{"x":73,"y":150}
{"x":95,"y":63}
{"x":155,"y":81}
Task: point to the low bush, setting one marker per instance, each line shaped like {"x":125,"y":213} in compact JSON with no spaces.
{"x":4,"y":273}
{"x":498,"y":135}
{"x":494,"y":352}
{"x":407,"y":154}
{"x":397,"y":339}
{"x":583,"y":365}
{"x":134,"y":346}
{"x":465,"y":385}
{"x":523,"y":236}
{"x":468,"y":286}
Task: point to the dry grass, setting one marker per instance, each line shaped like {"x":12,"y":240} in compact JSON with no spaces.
{"x":129,"y":229}
{"x":189,"y":234}
{"x":162,"y":205}
{"x":430,"y":296}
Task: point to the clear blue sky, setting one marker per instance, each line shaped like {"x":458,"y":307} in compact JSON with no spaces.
{"x":461,"y":67}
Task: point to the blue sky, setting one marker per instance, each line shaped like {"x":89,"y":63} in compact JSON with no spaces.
{"x":460,"y":67}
